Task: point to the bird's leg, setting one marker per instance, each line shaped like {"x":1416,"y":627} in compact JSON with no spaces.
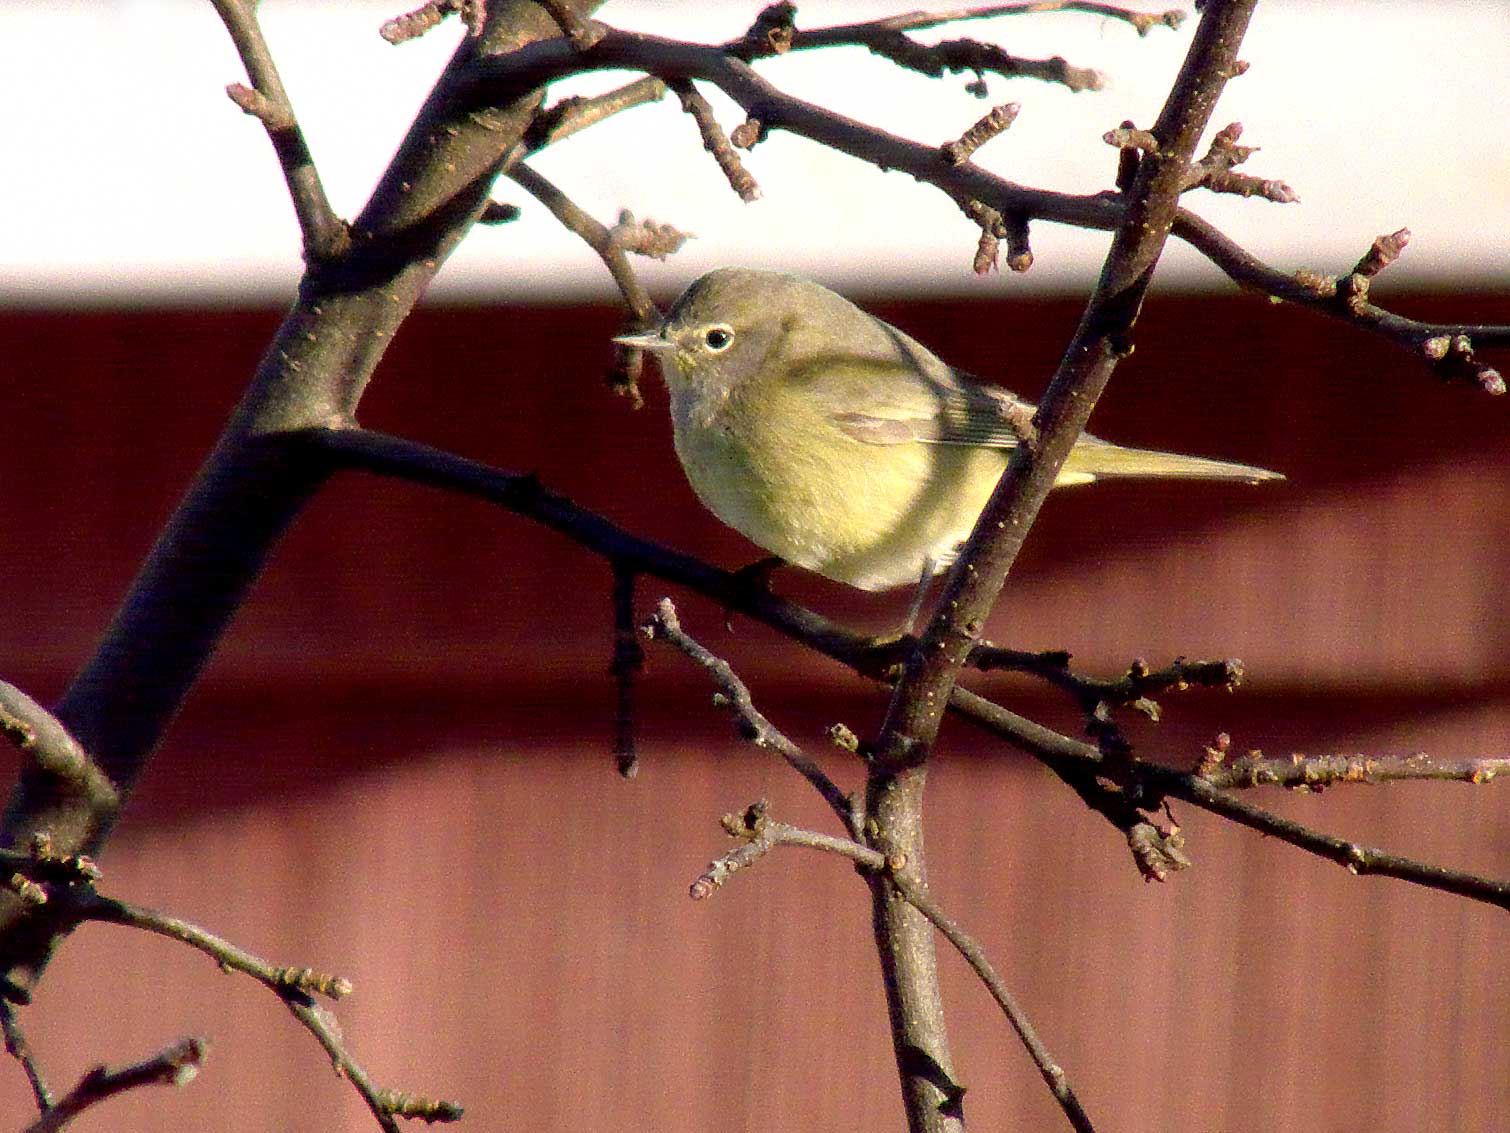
{"x":931,"y":566}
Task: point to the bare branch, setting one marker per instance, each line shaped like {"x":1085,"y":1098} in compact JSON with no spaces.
{"x":751,"y":724}
{"x":412,"y":25}
{"x":996,"y":122}
{"x":1148,"y":784}
{"x":296,"y":987}
{"x":1142,"y":22}
{"x":597,"y":237}
{"x":283,"y":980}
{"x":628,"y":660}
{"x":1317,"y":772}
{"x":177,"y":1065}
{"x":581,"y":33}
{"x":715,"y":141}
{"x":325,"y":234}
{"x":1447,"y":347}
{"x":1052,"y":1073}
{"x":576,"y":113}
{"x":18,"y":1048}
{"x":52,"y":752}
{"x":759,"y":835}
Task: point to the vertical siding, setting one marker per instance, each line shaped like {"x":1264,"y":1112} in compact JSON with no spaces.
{"x":395,"y":769}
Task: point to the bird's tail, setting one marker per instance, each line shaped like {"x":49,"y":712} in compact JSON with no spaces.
{"x":1095,"y":459}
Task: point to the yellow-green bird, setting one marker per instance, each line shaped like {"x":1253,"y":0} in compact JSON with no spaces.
{"x":838,"y":443}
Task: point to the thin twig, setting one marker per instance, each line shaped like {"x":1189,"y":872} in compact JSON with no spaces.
{"x":1148,"y":784}
{"x":1317,"y":772}
{"x":52,"y":751}
{"x":595,"y":234}
{"x":967,"y":946}
{"x":296,"y":987}
{"x":18,"y":1048}
{"x":628,"y":660}
{"x":752,"y":725}
{"x":177,"y":1065}
{"x":715,"y":141}
{"x":1445,"y":347}
{"x":1142,"y":22}
{"x":759,"y":835}
{"x":387,"y":455}
{"x":576,"y":113}
{"x":582,"y":33}
{"x":325,"y":234}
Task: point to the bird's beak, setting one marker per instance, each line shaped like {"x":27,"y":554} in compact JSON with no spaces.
{"x":651,"y":341}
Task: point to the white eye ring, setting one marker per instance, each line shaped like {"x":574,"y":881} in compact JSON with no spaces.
{"x":718,"y":338}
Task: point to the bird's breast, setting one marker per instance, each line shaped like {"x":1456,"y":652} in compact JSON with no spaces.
{"x":787,"y":478}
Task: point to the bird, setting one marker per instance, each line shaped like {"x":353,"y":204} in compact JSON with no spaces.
{"x":839,"y":444}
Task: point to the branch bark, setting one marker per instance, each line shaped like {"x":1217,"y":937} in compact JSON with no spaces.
{"x":254,"y":484}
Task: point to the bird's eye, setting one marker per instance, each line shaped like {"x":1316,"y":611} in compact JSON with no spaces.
{"x":718,"y":338}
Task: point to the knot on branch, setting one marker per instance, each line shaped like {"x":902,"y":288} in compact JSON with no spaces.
{"x":749,"y":133}
{"x":770,"y":34}
{"x":274,"y":115}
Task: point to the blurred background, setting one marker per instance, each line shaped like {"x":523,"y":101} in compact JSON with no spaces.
{"x":397,"y":767}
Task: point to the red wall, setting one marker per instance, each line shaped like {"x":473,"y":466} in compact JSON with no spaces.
{"x":397,"y":766}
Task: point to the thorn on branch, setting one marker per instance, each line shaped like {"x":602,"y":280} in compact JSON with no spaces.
{"x":715,"y":141}
{"x":996,"y":122}
{"x":273,"y":115}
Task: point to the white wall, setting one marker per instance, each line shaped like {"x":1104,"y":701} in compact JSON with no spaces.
{"x":129,"y":176}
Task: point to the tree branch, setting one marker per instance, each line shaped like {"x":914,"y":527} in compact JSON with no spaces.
{"x":177,"y":1065}
{"x":325,"y":234}
{"x":488,"y":79}
{"x":751,"y":723}
{"x":968,"y":947}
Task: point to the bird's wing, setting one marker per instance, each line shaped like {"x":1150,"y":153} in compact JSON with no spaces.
{"x":909,"y":405}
